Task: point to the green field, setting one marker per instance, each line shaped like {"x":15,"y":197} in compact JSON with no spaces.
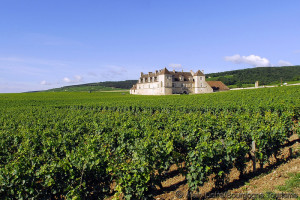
{"x":77,"y":144}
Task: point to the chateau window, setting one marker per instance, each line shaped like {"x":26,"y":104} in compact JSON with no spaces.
{"x":173,"y":84}
{"x":201,"y":78}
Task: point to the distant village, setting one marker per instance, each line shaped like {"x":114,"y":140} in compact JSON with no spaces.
{"x":165,"y":82}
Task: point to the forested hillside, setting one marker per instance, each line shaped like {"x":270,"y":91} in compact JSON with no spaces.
{"x":265,"y":75}
{"x":100,"y":86}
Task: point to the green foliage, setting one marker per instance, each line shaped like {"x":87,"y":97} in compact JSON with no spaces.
{"x":291,"y":184}
{"x":100,"y":86}
{"x":80,"y":145}
{"x":265,"y":75}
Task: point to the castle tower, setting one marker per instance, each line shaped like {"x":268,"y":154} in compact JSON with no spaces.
{"x":200,"y":85}
{"x":165,"y":81}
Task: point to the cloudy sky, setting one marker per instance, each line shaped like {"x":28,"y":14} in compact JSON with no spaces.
{"x":53,"y":43}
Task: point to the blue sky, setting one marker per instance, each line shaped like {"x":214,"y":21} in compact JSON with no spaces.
{"x":47,"y":44}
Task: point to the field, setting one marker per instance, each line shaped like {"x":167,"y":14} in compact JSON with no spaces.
{"x":91,"y":145}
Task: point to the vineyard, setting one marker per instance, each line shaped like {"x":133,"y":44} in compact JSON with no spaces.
{"x":94,"y":145}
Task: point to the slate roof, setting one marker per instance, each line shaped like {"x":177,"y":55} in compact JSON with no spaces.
{"x":198,"y":73}
{"x":188,"y":76}
{"x":165,"y":71}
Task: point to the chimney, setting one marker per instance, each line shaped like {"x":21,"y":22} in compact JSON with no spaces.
{"x":174,"y":70}
{"x":192,"y":73}
{"x":142,"y":73}
{"x":156,"y":72}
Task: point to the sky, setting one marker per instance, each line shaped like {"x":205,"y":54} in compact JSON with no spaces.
{"x":53,"y":43}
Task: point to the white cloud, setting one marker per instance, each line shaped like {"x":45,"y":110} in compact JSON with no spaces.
{"x":252,"y":60}
{"x":45,"y":83}
{"x":175,"y":66}
{"x":77,"y":79}
{"x":284,"y":63}
{"x":67,"y":80}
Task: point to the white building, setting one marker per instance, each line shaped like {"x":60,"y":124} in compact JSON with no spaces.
{"x":164,"y":82}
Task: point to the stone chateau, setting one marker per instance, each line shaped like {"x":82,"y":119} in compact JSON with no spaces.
{"x":165,"y":82}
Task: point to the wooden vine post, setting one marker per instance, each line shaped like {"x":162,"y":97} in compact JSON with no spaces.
{"x":253,"y":155}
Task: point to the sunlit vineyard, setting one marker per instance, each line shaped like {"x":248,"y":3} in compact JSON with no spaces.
{"x":91,"y":145}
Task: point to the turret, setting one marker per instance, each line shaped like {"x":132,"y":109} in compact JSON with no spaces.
{"x":165,"y":81}
{"x":200,"y":84}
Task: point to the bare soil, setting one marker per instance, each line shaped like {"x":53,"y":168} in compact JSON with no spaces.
{"x":266,"y":179}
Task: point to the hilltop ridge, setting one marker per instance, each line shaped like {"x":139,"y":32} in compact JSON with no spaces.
{"x":233,"y":79}
{"x":265,"y":76}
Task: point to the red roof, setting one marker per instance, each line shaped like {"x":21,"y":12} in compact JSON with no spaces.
{"x":218,"y":84}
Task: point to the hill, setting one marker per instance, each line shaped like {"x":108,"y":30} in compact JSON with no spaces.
{"x":100,"y":86}
{"x":235,"y":78}
{"x":265,"y":76}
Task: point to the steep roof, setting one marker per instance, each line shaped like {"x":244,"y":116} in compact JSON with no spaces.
{"x":134,"y":87}
{"x":176,"y":74}
{"x":198,"y":73}
{"x":165,"y":71}
{"x":186,"y":75}
{"x":218,"y":84}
